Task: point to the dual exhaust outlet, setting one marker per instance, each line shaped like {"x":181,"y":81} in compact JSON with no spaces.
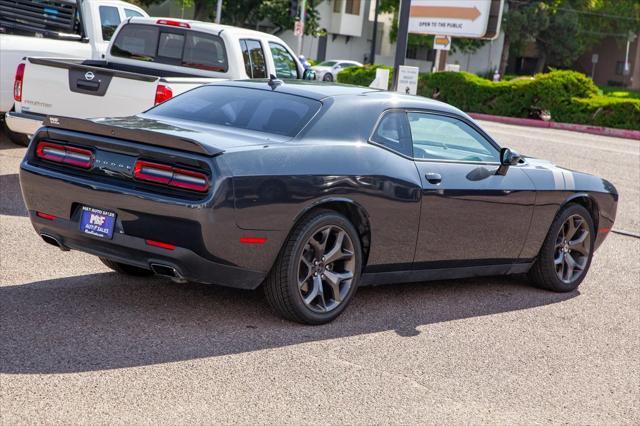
{"x":157,"y":268}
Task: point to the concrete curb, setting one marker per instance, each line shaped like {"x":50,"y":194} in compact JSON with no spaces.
{"x":595,"y":130}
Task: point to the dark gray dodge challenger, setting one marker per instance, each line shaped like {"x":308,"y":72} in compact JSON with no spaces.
{"x":309,"y":190}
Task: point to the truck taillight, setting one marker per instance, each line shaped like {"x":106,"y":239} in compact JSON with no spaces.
{"x":171,"y":176}
{"x":65,"y":154}
{"x":163,"y":93}
{"x":17,"y":83}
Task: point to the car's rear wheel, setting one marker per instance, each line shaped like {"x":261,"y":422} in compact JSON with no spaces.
{"x":566,"y":253}
{"x":318,"y":270}
{"x":123,"y":268}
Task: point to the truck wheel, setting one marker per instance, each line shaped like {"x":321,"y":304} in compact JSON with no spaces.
{"x":17,"y":138}
{"x":318,"y":271}
{"x":123,"y":268}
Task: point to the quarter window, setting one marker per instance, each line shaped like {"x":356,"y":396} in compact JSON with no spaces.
{"x":109,"y":20}
{"x":286,"y":66}
{"x":392,"y":132}
{"x":253,"y":56}
{"x":445,"y":138}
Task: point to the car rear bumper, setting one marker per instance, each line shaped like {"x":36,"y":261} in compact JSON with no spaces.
{"x":135,"y":251}
{"x":207,"y":244}
{"x":25,"y":123}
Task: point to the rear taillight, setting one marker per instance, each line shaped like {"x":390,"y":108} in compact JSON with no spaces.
{"x":65,"y":154}
{"x":173,"y":23}
{"x":171,"y":176}
{"x":17,"y":83}
{"x":163,"y":93}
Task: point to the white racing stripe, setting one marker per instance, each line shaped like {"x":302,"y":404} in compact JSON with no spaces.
{"x":569,"y":182}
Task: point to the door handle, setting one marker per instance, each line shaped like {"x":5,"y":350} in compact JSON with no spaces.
{"x":434,"y":178}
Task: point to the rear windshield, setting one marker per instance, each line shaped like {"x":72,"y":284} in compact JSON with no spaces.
{"x":242,"y":108}
{"x":173,"y":46}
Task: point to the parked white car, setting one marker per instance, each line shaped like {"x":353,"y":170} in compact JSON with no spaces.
{"x":328,"y":70}
{"x":148,"y":61}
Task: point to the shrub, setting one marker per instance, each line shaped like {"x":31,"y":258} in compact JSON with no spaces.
{"x":362,"y":76}
{"x":600,"y":111}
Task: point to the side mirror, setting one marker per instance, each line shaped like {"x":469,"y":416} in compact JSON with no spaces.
{"x":507,"y":158}
{"x":309,"y":74}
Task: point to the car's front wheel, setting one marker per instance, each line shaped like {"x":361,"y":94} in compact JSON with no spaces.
{"x":317,"y":271}
{"x":566,"y":253}
{"x":328,"y":77}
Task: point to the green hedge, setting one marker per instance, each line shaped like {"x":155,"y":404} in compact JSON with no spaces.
{"x":569,"y":96}
{"x":603,"y":111}
{"x":362,"y":76}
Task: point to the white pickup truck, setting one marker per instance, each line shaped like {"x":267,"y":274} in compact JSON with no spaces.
{"x":61,"y":28}
{"x":148,"y":61}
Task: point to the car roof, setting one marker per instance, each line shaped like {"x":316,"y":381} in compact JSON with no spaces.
{"x":345,"y":93}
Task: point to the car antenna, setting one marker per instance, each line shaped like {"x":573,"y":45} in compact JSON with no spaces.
{"x":274,"y":82}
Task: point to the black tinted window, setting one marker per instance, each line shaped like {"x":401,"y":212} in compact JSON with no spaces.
{"x":253,"y":56}
{"x":252,"y":109}
{"x":171,"y":46}
{"x":393,"y":132}
{"x":109,"y":20}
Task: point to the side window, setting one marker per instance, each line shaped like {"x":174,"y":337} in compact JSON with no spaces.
{"x":130,"y":13}
{"x":392,"y":132}
{"x":109,"y":20}
{"x":445,"y":138}
{"x":253,"y":56}
{"x":285,"y":64}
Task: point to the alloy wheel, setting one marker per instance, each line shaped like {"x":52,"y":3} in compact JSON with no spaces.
{"x":572,"y":248}
{"x":326,"y":269}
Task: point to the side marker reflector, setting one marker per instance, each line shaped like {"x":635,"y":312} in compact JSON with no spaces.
{"x":604,"y":230}
{"x":45,"y":216}
{"x":159,"y":244}
{"x":253,"y":240}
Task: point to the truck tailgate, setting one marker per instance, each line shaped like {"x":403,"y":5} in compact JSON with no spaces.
{"x":69,"y":88}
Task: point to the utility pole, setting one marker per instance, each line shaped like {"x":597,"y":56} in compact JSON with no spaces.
{"x":401,"y":44}
{"x":219,"y":12}
{"x":372,"y":57}
{"x":303,"y":10}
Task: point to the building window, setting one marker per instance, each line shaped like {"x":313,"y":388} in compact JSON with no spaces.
{"x":337,"y":6}
{"x":620,"y":68}
{"x":352,"y":7}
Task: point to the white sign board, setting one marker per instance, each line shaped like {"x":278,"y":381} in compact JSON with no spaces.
{"x":298,"y":28}
{"x":441,"y":42}
{"x":457,"y":18}
{"x":408,"y":80}
{"x":382,"y":79}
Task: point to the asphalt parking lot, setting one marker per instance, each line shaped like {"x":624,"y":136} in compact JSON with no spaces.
{"x":80,"y":344}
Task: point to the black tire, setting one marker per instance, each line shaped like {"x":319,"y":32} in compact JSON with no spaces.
{"x":123,"y":268}
{"x":282,"y":288}
{"x":544,"y":272}
{"x":17,"y":138}
{"x":327,"y":77}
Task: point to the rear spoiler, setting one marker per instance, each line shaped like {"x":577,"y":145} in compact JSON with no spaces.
{"x":148,"y":137}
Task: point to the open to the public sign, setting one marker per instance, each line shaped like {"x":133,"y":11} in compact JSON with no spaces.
{"x":456,"y":18}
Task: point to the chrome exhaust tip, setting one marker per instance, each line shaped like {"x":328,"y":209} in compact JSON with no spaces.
{"x":50,"y":239}
{"x":167,"y":271}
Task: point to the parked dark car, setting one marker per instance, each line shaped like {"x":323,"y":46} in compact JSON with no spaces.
{"x":311,"y":190}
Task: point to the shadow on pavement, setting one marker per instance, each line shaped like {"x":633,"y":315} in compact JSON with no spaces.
{"x":105,"y":321}
{"x":11,"y":202}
